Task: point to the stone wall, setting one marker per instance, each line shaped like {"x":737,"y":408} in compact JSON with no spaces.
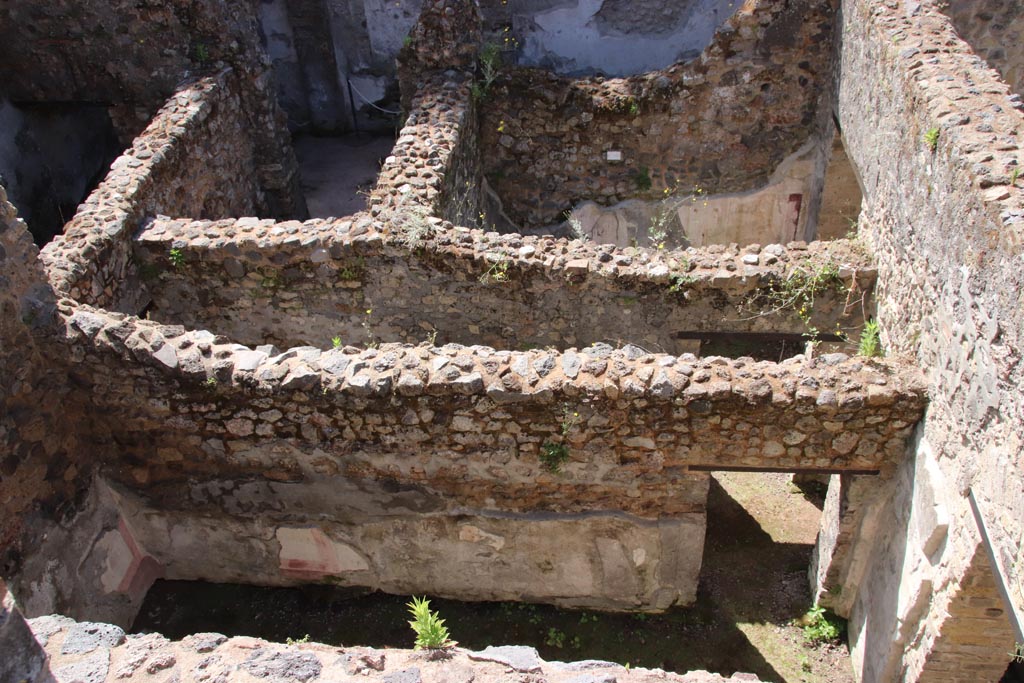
{"x":841,"y":196}
{"x":194,"y":159}
{"x":434,"y":167}
{"x":973,"y":624}
{"x":102,"y":652}
{"x":851,"y":512}
{"x":463,"y":195}
{"x":723,"y":122}
{"x":420,"y":278}
{"x":24,"y":658}
{"x":116,"y":52}
{"x":49,"y":517}
{"x":221,"y":456}
{"x":306,"y":283}
{"x":308,"y":68}
{"x":934,"y":137}
{"x":316,"y":47}
{"x":396,"y":539}
{"x":133,"y":56}
{"x":992,"y":28}
{"x":623,"y":414}
{"x":772,"y":214}
{"x":42,"y":471}
{"x":322,"y":49}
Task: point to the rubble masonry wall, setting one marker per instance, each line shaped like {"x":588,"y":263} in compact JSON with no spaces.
{"x":723,"y":121}
{"x":945,"y":224}
{"x":194,"y":159}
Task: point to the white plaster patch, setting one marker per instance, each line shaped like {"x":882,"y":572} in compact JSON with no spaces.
{"x":118,"y":559}
{"x":576,"y":577}
{"x":387,"y":24}
{"x":569,"y":39}
{"x":372,"y":88}
{"x":472,"y":534}
{"x":774,"y":213}
{"x":930,"y":513}
{"x":618,"y":574}
{"x":278,"y":31}
{"x":309,"y":551}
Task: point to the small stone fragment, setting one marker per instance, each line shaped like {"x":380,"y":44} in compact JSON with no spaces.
{"x":289,"y":665}
{"x":86,"y":636}
{"x":411,"y":675}
{"x":90,"y":669}
{"x":518,"y":657}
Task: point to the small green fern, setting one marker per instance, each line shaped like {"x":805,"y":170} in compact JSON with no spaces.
{"x":431,"y":633}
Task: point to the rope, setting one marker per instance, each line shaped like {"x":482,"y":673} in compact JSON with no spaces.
{"x":363,"y":97}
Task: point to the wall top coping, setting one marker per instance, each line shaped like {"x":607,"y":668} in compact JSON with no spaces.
{"x":831,"y":382}
{"x":244,"y":658}
{"x":317,"y":241}
{"x":980,"y":120}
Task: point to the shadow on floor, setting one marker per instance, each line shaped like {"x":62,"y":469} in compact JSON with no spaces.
{"x":339,"y":172}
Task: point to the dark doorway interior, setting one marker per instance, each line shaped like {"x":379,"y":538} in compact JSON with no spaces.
{"x":1014,"y":673}
{"x":52,"y":156}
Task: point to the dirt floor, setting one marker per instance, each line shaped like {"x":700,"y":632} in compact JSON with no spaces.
{"x":338,"y":172}
{"x":761,"y":529}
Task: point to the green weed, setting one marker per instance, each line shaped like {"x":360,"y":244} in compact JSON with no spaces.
{"x":498,"y":272}
{"x":367,"y":325}
{"x":799,"y":290}
{"x":642,"y":179}
{"x":490,"y":65}
{"x":870,"y":341}
{"x":272,"y":281}
{"x":679,"y":283}
{"x":666,"y":216}
{"x":553,"y":456}
{"x":555,"y":638}
{"x":411,"y":223}
{"x":821,"y":626}
{"x":352,"y":271}
{"x":570,"y":418}
{"x":576,"y":227}
{"x":431,"y":633}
